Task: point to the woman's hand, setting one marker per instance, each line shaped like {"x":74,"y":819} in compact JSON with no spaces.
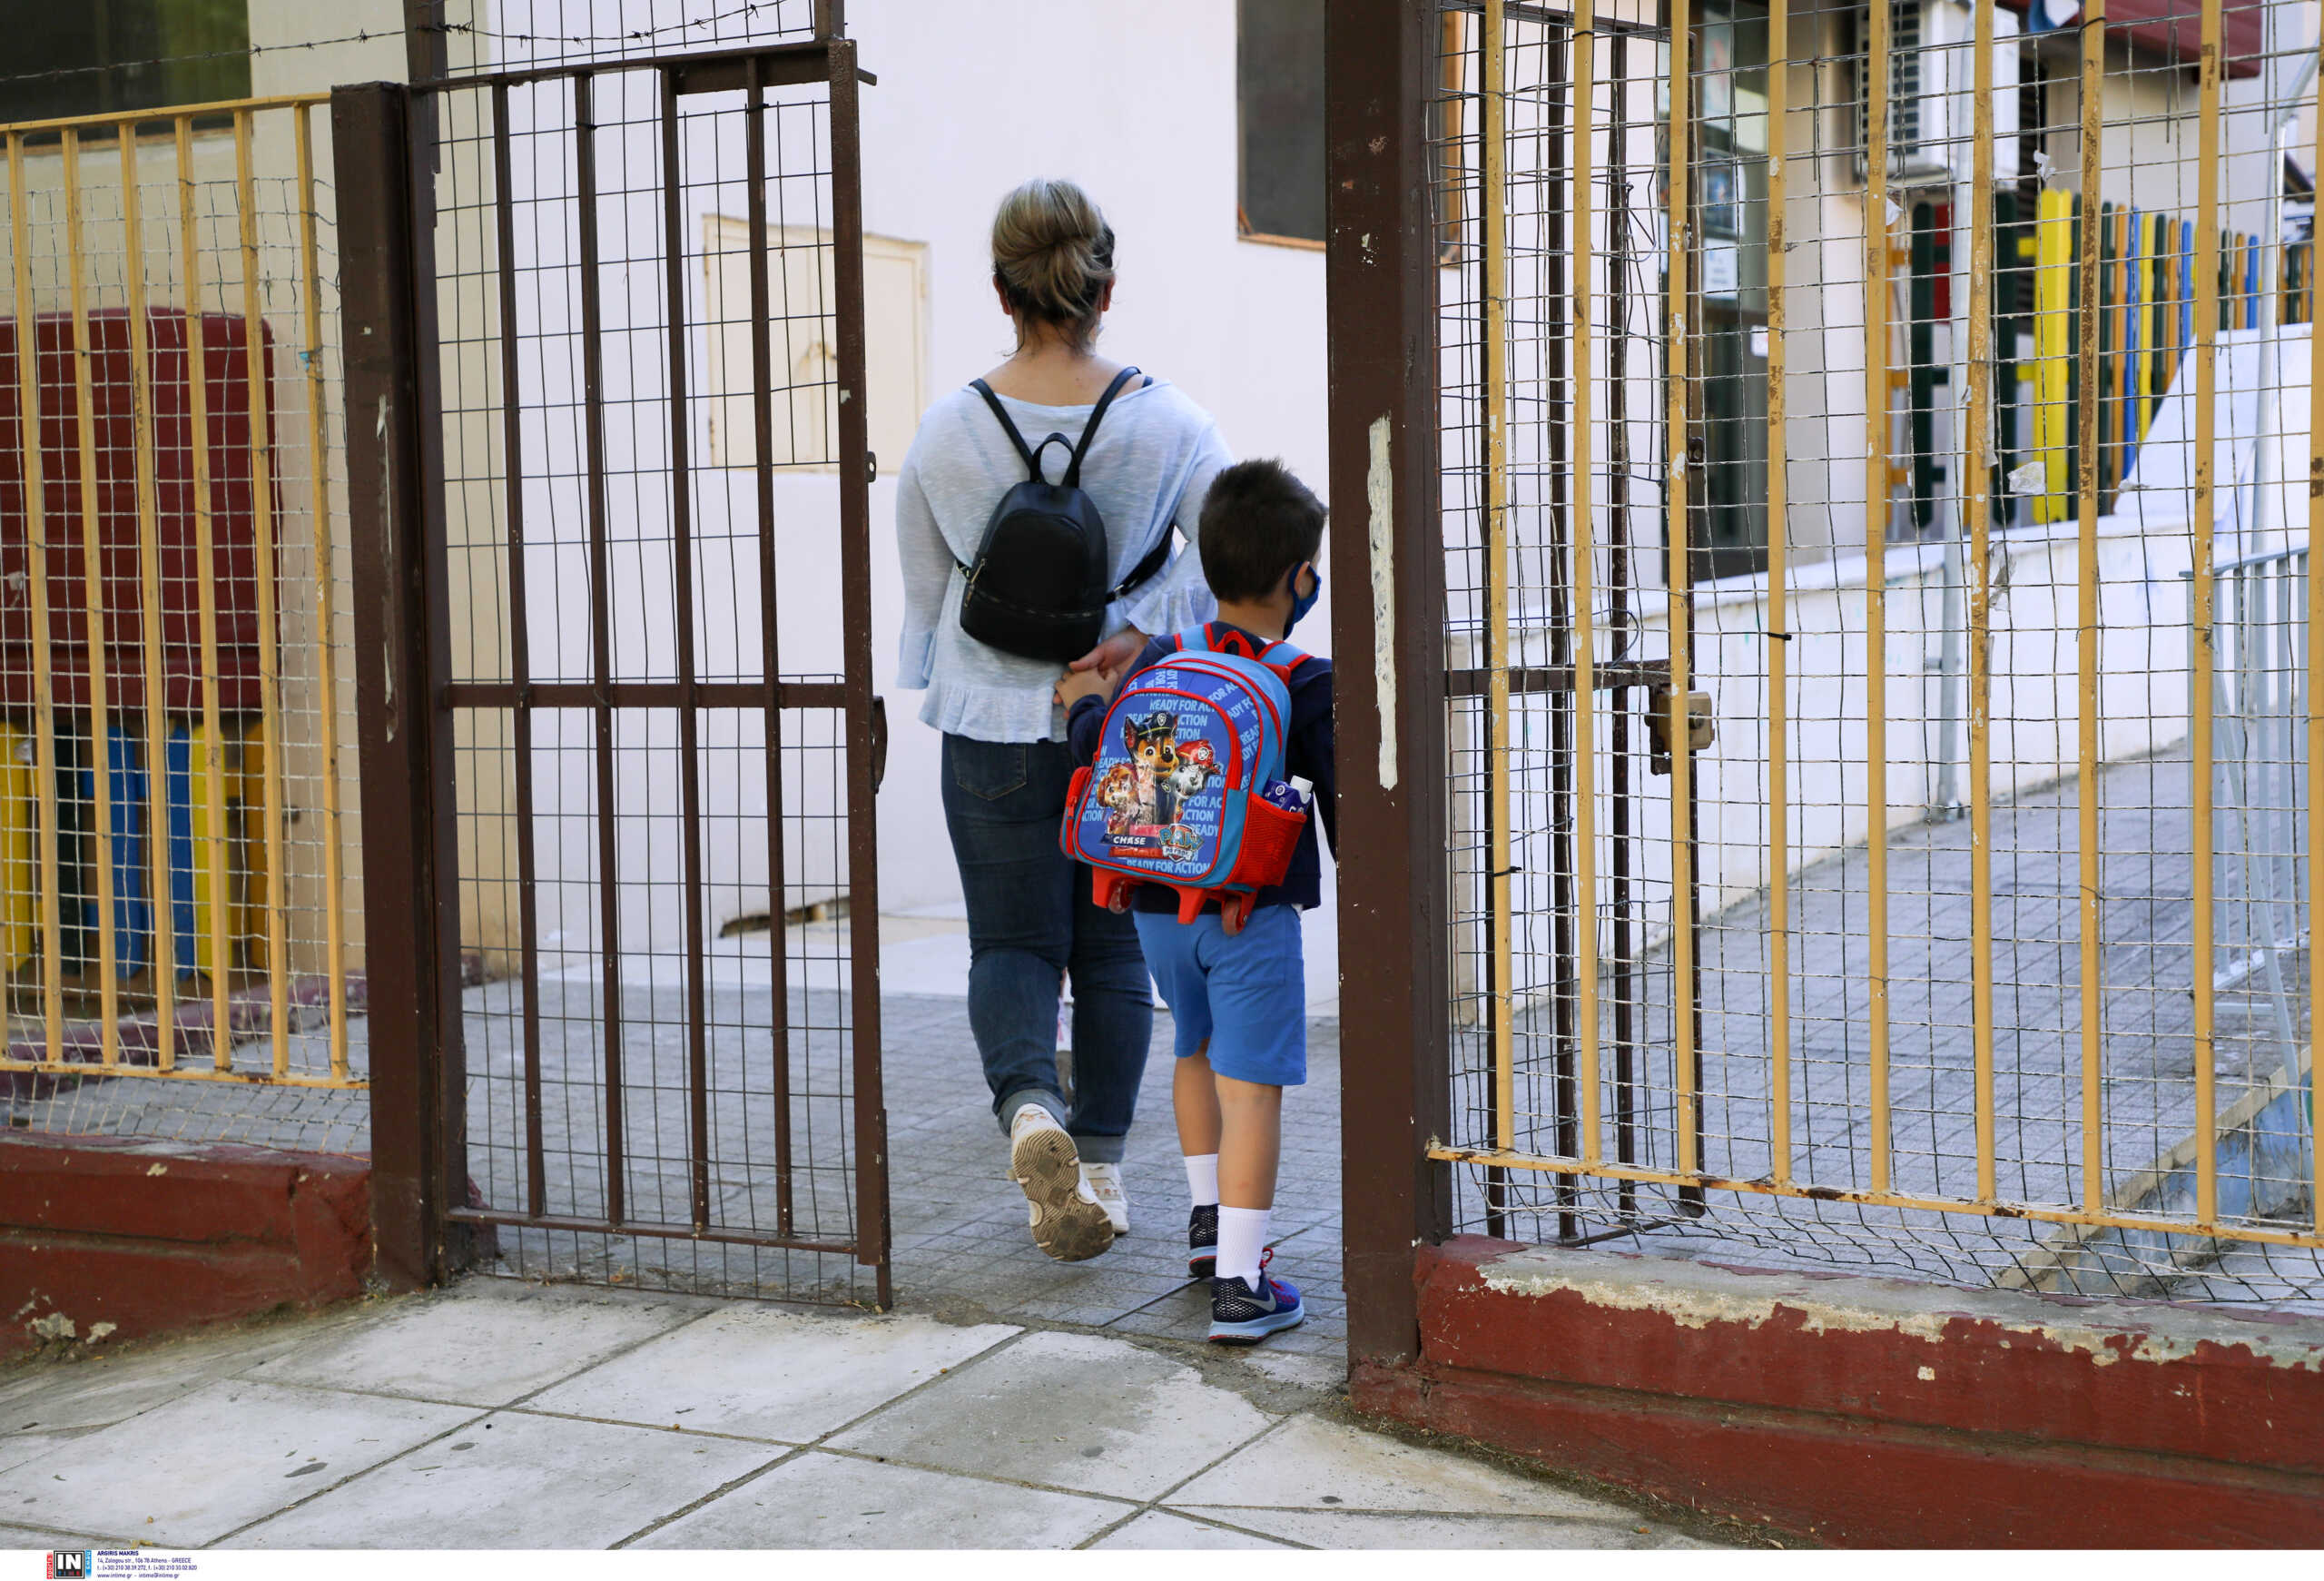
{"x":1077,"y":683}
{"x":1114,"y":655}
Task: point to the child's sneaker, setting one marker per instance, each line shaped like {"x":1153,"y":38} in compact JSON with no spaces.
{"x":1103,"y":1182}
{"x":1068,"y":1222}
{"x":1202,"y":1241}
{"x":1242,"y":1316}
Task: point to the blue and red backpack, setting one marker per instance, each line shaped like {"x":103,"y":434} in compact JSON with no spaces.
{"x":1177,"y":795}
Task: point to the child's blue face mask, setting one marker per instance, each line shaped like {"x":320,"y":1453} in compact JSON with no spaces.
{"x":1303,"y":602}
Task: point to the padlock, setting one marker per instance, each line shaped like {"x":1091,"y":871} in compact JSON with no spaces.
{"x":1658,"y":724}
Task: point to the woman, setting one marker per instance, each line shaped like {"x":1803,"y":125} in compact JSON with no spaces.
{"x":1006,"y":766}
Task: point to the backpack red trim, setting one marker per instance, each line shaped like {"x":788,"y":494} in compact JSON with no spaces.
{"x":1231,"y":639}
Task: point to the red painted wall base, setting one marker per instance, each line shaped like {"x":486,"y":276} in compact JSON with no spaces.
{"x":1874,"y":1412}
{"x":150,"y":1237}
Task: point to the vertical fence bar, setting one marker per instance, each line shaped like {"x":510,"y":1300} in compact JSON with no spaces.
{"x":150,"y":617}
{"x":1778,"y":613}
{"x":2087,"y":634}
{"x":197,"y":380}
{"x":2315,"y":714}
{"x":326,"y":656}
{"x":1493,"y":362}
{"x":37,"y":577}
{"x":95,"y":649}
{"x":854,"y":457}
{"x":1682,"y":762}
{"x":1875,"y":573}
{"x":673,"y":245}
{"x":1388,"y":616}
{"x":1977,"y":495}
{"x":399,"y":623}
{"x":771,"y":648}
{"x":2206,"y":289}
{"x":1622,"y":621}
{"x":601,"y":661}
{"x":255,"y":373}
{"x":1585,"y":590}
{"x":520,"y":660}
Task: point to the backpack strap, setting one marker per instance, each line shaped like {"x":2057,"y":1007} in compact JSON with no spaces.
{"x":1096,"y":415}
{"x":1155,"y":559}
{"x":1009,"y":427}
{"x":1283,"y":659}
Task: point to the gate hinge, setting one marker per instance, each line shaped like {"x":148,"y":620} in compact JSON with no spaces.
{"x":1700,"y":733}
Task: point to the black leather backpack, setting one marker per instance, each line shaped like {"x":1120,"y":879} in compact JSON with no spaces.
{"x":1038,"y":587}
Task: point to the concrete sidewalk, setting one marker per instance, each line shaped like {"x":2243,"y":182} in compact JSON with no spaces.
{"x":499,"y":1415}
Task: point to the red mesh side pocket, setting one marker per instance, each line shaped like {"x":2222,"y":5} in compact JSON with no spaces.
{"x":1270,"y":838}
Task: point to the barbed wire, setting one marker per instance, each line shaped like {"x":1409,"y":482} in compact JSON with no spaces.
{"x":634,"y":35}
{"x":506,"y":35}
{"x":57,"y":72}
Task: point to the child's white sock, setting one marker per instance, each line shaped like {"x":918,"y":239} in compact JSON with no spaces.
{"x":1242,"y":1238}
{"x":1202,"y":1178}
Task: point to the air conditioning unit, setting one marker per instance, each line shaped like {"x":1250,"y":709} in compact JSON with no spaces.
{"x":1931,"y":94}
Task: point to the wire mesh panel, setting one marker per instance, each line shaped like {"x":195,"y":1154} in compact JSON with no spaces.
{"x":1879,"y":654}
{"x":180,"y":926}
{"x":664,"y":736}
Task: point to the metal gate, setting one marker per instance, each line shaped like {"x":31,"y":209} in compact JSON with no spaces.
{"x":610,"y":502}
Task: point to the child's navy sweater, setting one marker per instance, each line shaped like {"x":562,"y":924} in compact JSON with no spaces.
{"x":1307,"y":755}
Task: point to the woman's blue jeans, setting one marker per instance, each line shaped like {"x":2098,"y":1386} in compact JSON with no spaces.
{"x":1030,"y":919}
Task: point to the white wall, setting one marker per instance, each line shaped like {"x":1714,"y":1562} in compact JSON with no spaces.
{"x":1137,"y":105}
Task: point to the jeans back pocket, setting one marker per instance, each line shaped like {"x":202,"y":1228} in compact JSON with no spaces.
{"x":988,"y":770}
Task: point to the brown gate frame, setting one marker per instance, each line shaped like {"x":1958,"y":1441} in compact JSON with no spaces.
{"x":1388,"y":632}
{"x":424,"y":1225}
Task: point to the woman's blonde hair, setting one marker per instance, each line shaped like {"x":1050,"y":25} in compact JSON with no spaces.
{"x":1053,"y":257}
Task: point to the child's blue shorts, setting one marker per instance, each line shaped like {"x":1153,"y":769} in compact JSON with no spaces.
{"x":1247,"y":994}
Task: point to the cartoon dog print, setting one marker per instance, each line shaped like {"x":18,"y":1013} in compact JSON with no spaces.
{"x":1197,"y":765}
{"x":1153,"y":744}
{"x":1120,"y":794}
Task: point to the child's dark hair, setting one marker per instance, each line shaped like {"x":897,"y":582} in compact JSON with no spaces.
{"x":1259,"y":523}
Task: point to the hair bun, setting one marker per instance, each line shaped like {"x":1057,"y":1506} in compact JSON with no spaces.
{"x":1053,"y":254}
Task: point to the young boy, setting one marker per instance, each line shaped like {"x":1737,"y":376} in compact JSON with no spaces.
{"x":1240,"y":1001}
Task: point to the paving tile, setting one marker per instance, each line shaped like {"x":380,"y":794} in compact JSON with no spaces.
{"x":223,"y":1457}
{"x":1158,"y":1530}
{"x":830,"y":1501}
{"x":486,"y":1343}
{"x":1307,"y":1464}
{"x":1067,"y":1410}
{"x":1349,"y":1529}
{"x":92,"y":1390}
{"x":30,"y":1449}
{"x":761,"y":1373}
{"x":517,"y":1481}
{"x":36,"y":1537}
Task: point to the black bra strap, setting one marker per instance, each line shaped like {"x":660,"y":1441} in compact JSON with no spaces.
{"x":1096,"y":415}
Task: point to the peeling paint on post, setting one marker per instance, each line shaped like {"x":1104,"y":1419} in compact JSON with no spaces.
{"x":1379,"y":484}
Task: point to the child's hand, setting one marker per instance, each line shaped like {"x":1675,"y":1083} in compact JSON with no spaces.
{"x":1076,"y":684}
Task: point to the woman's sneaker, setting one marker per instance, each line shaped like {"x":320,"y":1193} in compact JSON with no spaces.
{"x":1202,"y":1241}
{"x":1069,"y":1221}
{"x":1240,"y":1315}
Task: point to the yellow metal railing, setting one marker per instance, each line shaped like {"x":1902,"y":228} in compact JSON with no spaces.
{"x":1515,"y":1132}
{"x":187,"y":752}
